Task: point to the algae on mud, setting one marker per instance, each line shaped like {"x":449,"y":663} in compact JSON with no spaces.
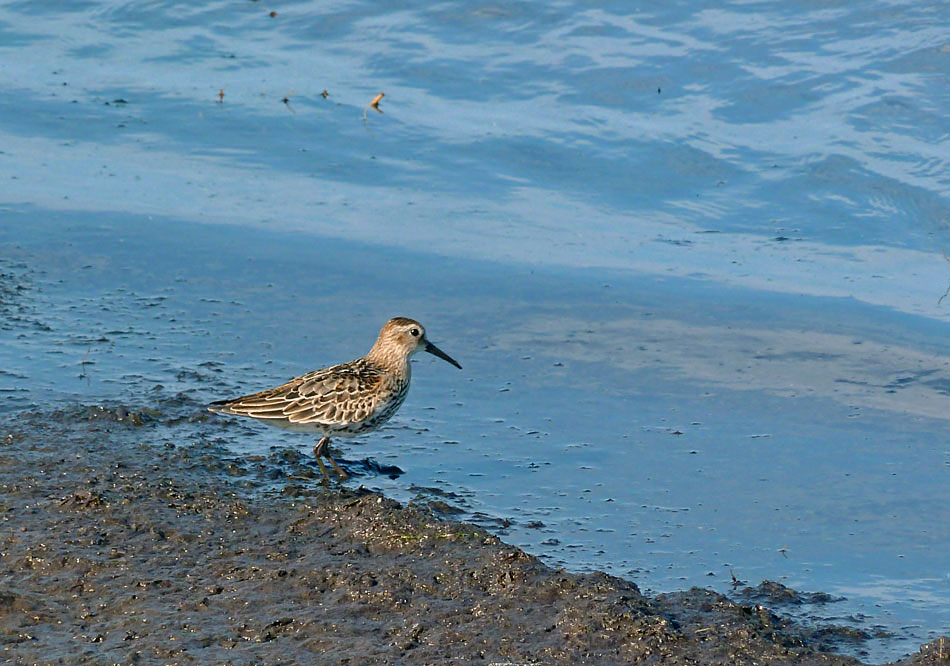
{"x":120,"y":550}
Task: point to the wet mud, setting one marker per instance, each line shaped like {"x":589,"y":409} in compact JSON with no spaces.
{"x":126,"y":539}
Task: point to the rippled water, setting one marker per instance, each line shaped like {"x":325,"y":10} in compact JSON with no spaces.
{"x":692,"y":260}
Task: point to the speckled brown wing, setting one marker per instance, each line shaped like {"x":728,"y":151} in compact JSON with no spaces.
{"x":333,"y":397}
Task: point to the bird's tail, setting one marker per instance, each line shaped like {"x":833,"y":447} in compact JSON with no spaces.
{"x":220,"y":406}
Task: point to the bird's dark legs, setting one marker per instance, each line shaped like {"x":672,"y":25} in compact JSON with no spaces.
{"x":320,"y":451}
{"x":323,"y":470}
{"x":343,"y":475}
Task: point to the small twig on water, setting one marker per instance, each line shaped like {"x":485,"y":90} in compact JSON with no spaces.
{"x":374,"y":104}
{"x":82,"y":366}
{"x":736,"y":583}
{"x":286,"y":100}
{"x":940,"y":300}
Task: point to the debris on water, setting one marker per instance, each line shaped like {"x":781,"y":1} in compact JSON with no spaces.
{"x":374,"y":104}
{"x":286,"y":100}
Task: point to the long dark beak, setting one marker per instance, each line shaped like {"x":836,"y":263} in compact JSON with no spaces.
{"x":435,"y":351}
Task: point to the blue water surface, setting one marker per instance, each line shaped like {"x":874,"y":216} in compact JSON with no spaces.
{"x":692,"y":258}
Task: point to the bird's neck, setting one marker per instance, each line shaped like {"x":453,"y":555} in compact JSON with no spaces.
{"x":385,"y":357}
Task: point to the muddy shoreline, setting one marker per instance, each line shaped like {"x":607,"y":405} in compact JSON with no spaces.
{"x":121,"y":544}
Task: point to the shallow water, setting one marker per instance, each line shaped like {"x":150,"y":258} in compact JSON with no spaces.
{"x":691,"y":261}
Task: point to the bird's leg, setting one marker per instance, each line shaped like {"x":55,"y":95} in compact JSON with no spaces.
{"x":318,"y":453}
{"x":343,"y":475}
{"x":323,"y":470}
{"x":320,"y":450}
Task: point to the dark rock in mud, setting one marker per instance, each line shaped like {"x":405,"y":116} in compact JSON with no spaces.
{"x":776,"y":593}
{"x":113,"y":550}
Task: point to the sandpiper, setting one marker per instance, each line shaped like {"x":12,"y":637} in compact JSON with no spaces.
{"x":343,"y":400}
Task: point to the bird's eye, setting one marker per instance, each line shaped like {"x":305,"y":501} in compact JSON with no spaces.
{"x":414,"y":332}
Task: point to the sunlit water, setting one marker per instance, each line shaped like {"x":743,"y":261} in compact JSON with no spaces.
{"x":691,"y":260}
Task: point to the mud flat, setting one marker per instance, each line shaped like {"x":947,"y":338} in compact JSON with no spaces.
{"x":124,"y":541}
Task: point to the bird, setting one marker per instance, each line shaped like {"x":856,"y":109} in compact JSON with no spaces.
{"x":343,"y":400}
